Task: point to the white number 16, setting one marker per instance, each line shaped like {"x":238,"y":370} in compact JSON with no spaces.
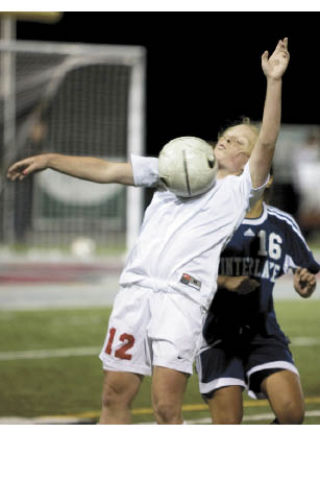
{"x":275,"y":242}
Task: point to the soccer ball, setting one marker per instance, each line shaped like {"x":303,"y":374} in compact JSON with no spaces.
{"x":187,"y":166}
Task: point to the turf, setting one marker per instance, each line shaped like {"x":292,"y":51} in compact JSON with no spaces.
{"x":72,"y":385}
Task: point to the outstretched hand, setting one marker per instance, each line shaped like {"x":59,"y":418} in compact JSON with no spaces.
{"x":275,"y":66}
{"x":19,"y":170}
{"x":304,"y":282}
{"x":240,"y":284}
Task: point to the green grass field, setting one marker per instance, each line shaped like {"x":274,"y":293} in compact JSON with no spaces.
{"x":43,"y":373}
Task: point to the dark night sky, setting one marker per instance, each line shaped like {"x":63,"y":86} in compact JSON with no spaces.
{"x":203,"y":68}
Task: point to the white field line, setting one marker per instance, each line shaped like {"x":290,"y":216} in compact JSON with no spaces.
{"x":47,"y":353}
{"x":94,"y":351}
{"x":75,"y":420}
{"x":305,"y":341}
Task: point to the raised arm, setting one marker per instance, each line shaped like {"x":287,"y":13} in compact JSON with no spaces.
{"x":261,"y":157}
{"x":89,"y":168}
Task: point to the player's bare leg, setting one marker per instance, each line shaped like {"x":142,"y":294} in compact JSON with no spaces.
{"x":168,"y":388}
{"x":226,"y":405}
{"x":285,"y":395}
{"x":119,"y":390}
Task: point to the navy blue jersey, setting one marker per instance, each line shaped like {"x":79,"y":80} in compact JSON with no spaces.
{"x":264,"y":249}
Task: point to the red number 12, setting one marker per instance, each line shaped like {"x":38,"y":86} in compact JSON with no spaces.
{"x":128,"y":341}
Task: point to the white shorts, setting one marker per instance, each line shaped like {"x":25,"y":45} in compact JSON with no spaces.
{"x":148,"y":328}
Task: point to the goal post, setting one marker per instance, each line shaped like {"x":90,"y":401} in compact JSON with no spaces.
{"x":76,"y":99}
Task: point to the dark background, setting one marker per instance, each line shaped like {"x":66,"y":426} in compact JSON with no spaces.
{"x":203,"y":68}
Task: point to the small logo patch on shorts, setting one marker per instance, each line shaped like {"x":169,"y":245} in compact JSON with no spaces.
{"x":190,"y":281}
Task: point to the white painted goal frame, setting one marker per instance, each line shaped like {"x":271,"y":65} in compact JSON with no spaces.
{"x":132,"y":56}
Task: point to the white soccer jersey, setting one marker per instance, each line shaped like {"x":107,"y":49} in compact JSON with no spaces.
{"x":179,"y":245}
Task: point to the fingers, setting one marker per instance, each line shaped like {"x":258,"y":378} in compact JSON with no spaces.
{"x":15,"y":171}
{"x":275,"y":65}
{"x":16,"y":175}
{"x":304,"y":275}
{"x":284,"y":50}
{"x":247,"y":285}
{"x":305,"y":282}
{"x":19,"y":170}
{"x":282,"y":44}
{"x":280,"y":50}
{"x":239,"y":284}
{"x":307,"y":290}
{"x":282,"y":47}
{"x":264,"y":58}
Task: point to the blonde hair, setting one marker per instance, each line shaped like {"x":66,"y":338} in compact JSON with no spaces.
{"x":252,"y":127}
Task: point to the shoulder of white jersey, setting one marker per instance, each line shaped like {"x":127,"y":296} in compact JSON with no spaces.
{"x":288,"y":219}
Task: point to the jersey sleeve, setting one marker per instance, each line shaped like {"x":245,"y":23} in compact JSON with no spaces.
{"x":145,"y":170}
{"x":298,"y":252}
{"x":253,"y":194}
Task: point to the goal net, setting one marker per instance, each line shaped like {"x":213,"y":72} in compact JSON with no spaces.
{"x":73,"y":99}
